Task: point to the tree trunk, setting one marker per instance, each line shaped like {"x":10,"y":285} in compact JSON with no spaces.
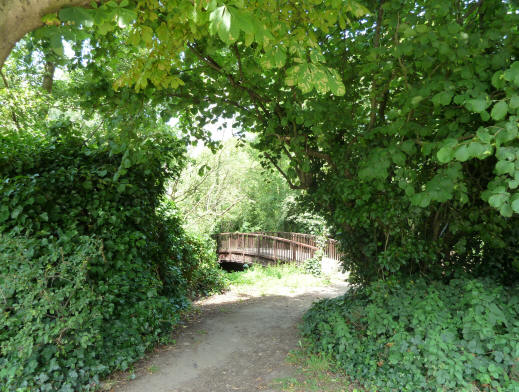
{"x":48,"y":76}
{"x":19,"y":17}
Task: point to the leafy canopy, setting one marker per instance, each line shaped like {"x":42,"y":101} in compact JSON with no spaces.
{"x":411,"y":105}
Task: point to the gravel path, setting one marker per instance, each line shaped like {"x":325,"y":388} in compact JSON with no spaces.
{"x":238,"y":342}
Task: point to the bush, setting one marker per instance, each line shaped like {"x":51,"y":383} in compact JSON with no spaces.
{"x":422,"y":336}
{"x":94,"y":271}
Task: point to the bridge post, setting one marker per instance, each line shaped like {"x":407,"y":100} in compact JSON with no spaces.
{"x":243,"y":246}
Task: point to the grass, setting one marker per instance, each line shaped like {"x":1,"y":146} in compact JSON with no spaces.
{"x":272,"y":278}
{"x":314,"y":372}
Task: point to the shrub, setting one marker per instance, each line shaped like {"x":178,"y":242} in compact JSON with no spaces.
{"x":422,"y":336}
{"x":94,"y":271}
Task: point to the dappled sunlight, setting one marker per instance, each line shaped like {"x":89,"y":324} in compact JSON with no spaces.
{"x":283,"y":280}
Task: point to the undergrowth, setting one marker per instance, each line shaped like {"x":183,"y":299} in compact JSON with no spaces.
{"x":314,"y":372}
{"x":94,"y":269}
{"x":274,"y":277}
{"x":422,"y":335}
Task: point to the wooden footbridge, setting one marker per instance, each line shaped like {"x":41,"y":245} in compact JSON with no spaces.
{"x":271,"y":247}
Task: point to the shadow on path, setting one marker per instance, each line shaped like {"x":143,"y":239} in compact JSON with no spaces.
{"x":239,"y":343}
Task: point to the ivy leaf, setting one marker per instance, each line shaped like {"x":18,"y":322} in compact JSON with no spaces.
{"x":506,"y":210}
{"x":4,"y":213}
{"x":497,"y":200}
{"x":515,"y":203}
{"x":16,"y":212}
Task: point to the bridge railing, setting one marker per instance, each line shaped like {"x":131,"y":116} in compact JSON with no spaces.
{"x":264,"y":246}
{"x":331,"y":249}
{"x":271,"y":247}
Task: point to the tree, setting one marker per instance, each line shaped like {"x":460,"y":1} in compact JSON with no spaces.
{"x":412,"y":105}
{"x":229,"y":190}
{"x":19,"y":17}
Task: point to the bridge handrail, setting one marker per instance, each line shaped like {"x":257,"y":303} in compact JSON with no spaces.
{"x":280,"y":239}
{"x":298,"y":247}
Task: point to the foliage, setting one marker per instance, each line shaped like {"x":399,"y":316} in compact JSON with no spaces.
{"x":313,"y":265}
{"x":422,"y":335}
{"x":397,"y":119}
{"x":229,"y":190}
{"x":94,"y":271}
{"x":314,"y":372}
{"x":273,"y":278}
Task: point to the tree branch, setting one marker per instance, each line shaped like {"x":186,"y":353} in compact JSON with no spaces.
{"x":285,"y":176}
{"x":238,"y":57}
{"x":214,"y":65}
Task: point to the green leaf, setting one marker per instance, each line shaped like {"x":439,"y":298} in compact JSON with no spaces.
{"x":514,"y":102}
{"x":416,"y":100}
{"x":443,"y":98}
{"x":445,"y":154}
{"x":56,"y":44}
{"x":484,"y":135}
{"x":497,"y":200}
{"x":77,"y":15}
{"x":335,"y":82}
{"x":515,"y":204}
{"x":499,"y":110}
{"x":4,"y":213}
{"x":477,"y":105}
{"x":498,"y":80}
{"x":220,"y":23}
{"x":273,"y":58}
{"x":211,"y":6}
{"x":125,"y":17}
{"x":513,"y":184}
{"x":508,"y":133}
{"x":505,"y":167}
{"x":462,"y":153}
{"x":506,"y":210}
{"x":16,"y":212}
{"x":512,"y":74}
{"x":478,"y":150}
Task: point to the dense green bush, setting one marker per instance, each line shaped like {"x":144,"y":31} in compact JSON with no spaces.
{"x":93,"y":269}
{"x":422,"y":336}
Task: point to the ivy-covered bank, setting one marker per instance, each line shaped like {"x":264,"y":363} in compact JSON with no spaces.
{"x":422,"y":335}
{"x":94,"y":269}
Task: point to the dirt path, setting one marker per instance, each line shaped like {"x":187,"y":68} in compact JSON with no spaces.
{"x":238,"y":343}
